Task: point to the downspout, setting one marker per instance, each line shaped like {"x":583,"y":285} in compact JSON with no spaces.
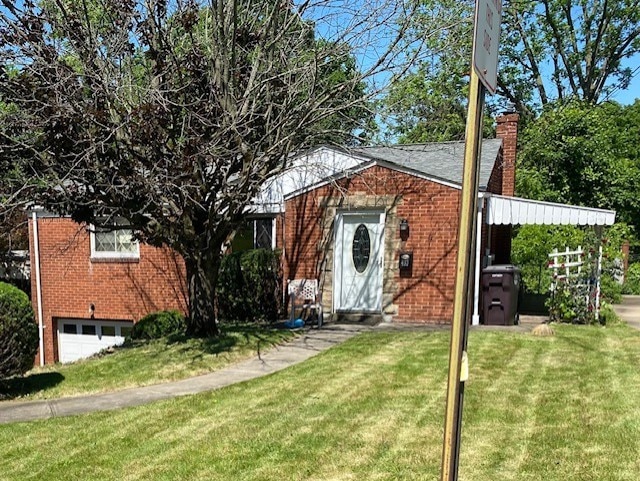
{"x":285,"y":284}
{"x":475,"y":319}
{"x":36,"y":254}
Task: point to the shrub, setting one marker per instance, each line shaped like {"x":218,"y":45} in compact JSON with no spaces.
{"x":250,"y":286}
{"x":632,"y":280}
{"x":568,"y":304}
{"x":18,"y":332}
{"x":610,"y":289}
{"x":608,"y":317}
{"x":158,"y":324}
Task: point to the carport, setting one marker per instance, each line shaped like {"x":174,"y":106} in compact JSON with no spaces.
{"x":500,"y":210}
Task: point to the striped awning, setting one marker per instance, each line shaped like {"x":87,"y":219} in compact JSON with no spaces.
{"x":503,"y":210}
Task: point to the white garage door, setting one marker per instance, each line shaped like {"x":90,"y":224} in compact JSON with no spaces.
{"x":78,"y":338}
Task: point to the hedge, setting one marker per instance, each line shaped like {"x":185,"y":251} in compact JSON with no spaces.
{"x":250,"y":286}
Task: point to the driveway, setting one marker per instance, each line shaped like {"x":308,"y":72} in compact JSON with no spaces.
{"x":629,"y":310}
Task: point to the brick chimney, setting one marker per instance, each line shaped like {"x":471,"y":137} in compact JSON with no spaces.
{"x":505,"y":182}
{"x":507,"y":130}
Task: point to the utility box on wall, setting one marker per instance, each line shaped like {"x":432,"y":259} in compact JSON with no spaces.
{"x":405,"y":264}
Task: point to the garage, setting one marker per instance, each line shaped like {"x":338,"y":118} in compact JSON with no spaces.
{"x":80,"y":338}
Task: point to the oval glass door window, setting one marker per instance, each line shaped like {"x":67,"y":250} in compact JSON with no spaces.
{"x":361,"y":250}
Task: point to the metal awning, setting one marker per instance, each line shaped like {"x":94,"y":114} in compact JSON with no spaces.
{"x":503,"y":210}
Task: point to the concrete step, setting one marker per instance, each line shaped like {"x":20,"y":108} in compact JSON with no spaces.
{"x":364,"y":318}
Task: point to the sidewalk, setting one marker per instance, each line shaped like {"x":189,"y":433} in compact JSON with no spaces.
{"x":629,"y":310}
{"x":300,"y":349}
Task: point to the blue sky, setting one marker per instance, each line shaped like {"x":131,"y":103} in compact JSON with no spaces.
{"x":629,"y":95}
{"x":625,"y":97}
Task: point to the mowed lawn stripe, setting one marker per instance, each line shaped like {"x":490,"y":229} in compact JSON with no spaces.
{"x":567,"y":410}
{"x":535,"y":408}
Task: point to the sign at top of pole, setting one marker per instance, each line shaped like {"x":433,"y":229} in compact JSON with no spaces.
{"x":486,"y":38}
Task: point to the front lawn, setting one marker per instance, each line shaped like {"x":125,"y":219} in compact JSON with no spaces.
{"x":560,"y":408}
{"x":142,"y":363}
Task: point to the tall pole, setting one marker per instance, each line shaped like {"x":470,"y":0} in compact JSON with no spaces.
{"x":463,"y":287}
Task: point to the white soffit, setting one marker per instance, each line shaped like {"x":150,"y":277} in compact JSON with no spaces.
{"x":513,"y":210}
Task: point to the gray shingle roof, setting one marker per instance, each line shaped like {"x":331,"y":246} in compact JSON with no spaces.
{"x":441,"y":160}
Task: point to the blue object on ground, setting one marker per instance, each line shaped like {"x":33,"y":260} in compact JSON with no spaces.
{"x":294,"y":324}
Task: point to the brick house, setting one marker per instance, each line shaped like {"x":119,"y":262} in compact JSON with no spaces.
{"x":88,"y":288}
{"x":350,"y":231}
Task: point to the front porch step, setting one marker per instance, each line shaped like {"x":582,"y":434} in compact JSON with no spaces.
{"x":367,"y":319}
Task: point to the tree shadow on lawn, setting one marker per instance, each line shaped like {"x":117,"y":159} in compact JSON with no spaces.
{"x":258,"y":336}
{"x":209,"y":345}
{"x":16,"y":387}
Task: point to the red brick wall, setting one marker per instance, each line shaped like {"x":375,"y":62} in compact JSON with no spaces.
{"x":507,"y":130}
{"x":119,"y":290}
{"x":432,"y":212}
{"x":502,"y":181}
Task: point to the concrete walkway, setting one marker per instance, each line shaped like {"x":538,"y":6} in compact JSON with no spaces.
{"x":300,"y":349}
{"x":629,"y":310}
{"x":312,"y":342}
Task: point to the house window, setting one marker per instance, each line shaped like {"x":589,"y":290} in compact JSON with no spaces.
{"x":263,"y":234}
{"x":88,"y":330}
{"x":126,"y":331}
{"x":69,"y":329}
{"x":361,"y":249}
{"x":114,"y":244}
{"x":258,"y":233}
{"x":108,"y":331}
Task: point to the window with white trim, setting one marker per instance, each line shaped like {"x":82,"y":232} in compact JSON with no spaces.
{"x":258,"y":233}
{"x":114,"y":244}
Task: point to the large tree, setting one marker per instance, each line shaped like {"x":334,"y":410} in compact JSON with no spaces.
{"x":584,"y":154}
{"x":550,"y":50}
{"x":427,"y":104}
{"x":569,"y":49}
{"x":168,"y":116}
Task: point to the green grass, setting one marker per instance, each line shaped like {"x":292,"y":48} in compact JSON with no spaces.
{"x":560,"y":408}
{"x":142,"y":363}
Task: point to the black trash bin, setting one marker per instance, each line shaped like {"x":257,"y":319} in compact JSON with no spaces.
{"x":500,"y":287}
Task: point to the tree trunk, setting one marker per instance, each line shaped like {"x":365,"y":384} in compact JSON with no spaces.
{"x":202,"y":276}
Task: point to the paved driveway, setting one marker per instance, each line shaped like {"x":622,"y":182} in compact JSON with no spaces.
{"x":629,"y":310}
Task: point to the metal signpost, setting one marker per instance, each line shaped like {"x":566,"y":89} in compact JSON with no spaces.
{"x":483,"y":76}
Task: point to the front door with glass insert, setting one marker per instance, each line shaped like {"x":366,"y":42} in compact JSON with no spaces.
{"x":358,"y":262}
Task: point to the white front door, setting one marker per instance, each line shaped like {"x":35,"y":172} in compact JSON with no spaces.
{"x":358,"y":261}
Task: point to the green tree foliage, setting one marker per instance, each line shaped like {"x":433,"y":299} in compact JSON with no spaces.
{"x":532,"y":245}
{"x":18,"y":332}
{"x":172,"y":114}
{"x":583,"y":154}
{"x":550,"y":50}
{"x":428,"y":104}
{"x":632,"y":280}
{"x":584,"y":42}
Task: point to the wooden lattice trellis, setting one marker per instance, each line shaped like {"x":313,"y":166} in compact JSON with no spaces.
{"x":584,"y":271}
